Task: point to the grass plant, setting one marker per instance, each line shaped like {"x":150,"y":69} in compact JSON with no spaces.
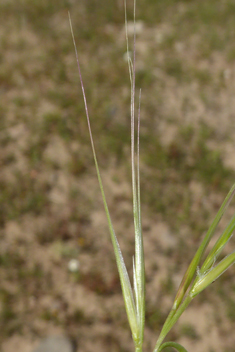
{"x":201,"y":272}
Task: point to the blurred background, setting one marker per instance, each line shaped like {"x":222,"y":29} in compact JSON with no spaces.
{"x":57,"y":269}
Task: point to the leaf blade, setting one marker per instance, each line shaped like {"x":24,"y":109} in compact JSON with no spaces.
{"x":212,"y":275}
{"x":188,"y":277}
{"x":175,"y":345}
{"x":123,"y":274}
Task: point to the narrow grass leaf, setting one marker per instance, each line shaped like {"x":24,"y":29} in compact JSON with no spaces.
{"x":124,"y":278}
{"x":141,"y":249}
{"x":135,"y":286}
{"x":139,"y":270}
{"x":219,"y":245}
{"x":175,"y":345}
{"x":205,"y":280}
{"x":188,"y":277}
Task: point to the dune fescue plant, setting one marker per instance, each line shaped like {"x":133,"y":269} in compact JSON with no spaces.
{"x":199,"y":275}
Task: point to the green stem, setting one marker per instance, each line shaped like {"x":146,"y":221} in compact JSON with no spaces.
{"x":171,"y":320}
{"x":138,"y":348}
